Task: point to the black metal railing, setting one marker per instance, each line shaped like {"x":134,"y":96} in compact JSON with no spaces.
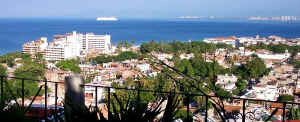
{"x":223,"y":108}
{"x":4,"y":81}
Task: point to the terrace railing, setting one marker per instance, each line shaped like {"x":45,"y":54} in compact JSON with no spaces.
{"x":233,"y":108}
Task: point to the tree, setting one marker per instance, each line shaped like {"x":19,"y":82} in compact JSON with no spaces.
{"x":220,"y":92}
{"x":120,"y":44}
{"x":121,"y":57}
{"x":181,"y":114}
{"x":2,"y":70}
{"x":32,"y":71}
{"x":241,"y":86}
{"x":126,"y":44}
{"x":185,"y":67}
{"x":39,"y":57}
{"x":294,"y":114}
{"x":200,"y":66}
{"x":69,"y":65}
{"x":285,"y":98}
{"x":255,"y":67}
{"x":295,"y":63}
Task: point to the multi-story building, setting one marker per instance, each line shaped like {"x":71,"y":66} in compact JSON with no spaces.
{"x":37,"y":46}
{"x":73,"y":45}
{"x":78,"y":43}
{"x":55,"y":52}
{"x":226,"y":40}
{"x":70,"y":45}
{"x":96,"y":42}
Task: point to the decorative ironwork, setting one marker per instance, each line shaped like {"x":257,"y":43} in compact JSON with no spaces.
{"x":243,"y":114}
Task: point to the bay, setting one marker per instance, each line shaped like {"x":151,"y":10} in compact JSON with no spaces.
{"x":15,"y":32}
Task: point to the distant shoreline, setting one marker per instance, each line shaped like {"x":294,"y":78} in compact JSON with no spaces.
{"x":15,"y":32}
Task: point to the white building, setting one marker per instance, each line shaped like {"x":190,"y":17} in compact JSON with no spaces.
{"x":91,"y":41}
{"x":226,"y":40}
{"x":187,"y":56}
{"x":267,"y":92}
{"x":143,"y":67}
{"x":227,"y":82}
{"x":37,"y":46}
{"x":72,"y":45}
{"x":275,"y":57}
{"x":55,"y":52}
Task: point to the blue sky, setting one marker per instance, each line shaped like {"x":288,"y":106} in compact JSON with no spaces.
{"x":146,"y":8}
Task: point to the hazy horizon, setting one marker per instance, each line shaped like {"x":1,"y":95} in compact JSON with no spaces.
{"x":146,"y":9}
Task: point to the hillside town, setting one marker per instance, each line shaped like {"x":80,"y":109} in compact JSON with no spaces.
{"x":103,"y":64}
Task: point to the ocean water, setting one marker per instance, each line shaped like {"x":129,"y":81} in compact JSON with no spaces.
{"x":15,"y":32}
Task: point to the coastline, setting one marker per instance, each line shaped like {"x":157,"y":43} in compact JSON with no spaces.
{"x":16,"y":31}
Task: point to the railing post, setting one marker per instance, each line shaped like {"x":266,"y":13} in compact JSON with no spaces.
{"x":188,"y":107}
{"x":2,"y":94}
{"x":108,"y":104}
{"x":206,"y":108}
{"x":244,"y":111}
{"x":23,"y":92}
{"x":56,"y":86}
{"x":283,"y":112}
{"x":96,"y":97}
{"x":46,"y":95}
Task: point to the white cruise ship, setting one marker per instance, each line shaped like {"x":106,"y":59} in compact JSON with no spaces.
{"x":107,"y":19}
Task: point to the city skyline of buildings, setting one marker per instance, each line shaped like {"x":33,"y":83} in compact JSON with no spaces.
{"x":68,"y":46}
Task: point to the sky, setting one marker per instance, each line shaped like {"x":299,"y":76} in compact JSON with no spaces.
{"x":146,"y":8}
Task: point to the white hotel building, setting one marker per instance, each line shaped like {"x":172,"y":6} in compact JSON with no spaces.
{"x":226,"y":40}
{"x":91,"y":41}
{"x":72,"y":45}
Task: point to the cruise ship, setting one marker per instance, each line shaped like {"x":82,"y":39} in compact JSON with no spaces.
{"x":107,"y":19}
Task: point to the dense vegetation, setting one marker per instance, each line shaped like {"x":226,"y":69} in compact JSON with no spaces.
{"x":285,"y":98}
{"x":295,"y":62}
{"x":69,"y":65}
{"x":9,"y":58}
{"x":278,"y":48}
{"x":253,"y":69}
{"x":31,"y":69}
{"x":121,"y":57}
{"x":180,"y":47}
{"x":241,"y":87}
{"x":294,"y":114}
{"x":125,"y":43}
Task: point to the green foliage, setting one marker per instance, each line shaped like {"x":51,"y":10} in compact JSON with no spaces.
{"x":254,"y":68}
{"x":222,"y":93}
{"x":294,"y":114}
{"x":181,"y":47}
{"x":285,"y":98}
{"x":121,"y":57}
{"x":9,"y":58}
{"x":295,"y":63}
{"x":131,"y":109}
{"x":3,"y":70}
{"x":241,"y":86}
{"x":69,"y":65}
{"x":29,"y":70}
{"x":125,"y":43}
{"x":6,"y":85}
{"x":197,"y":67}
{"x":184,"y":66}
{"x":182,"y":114}
{"x":161,"y":82}
{"x":279,"y":48}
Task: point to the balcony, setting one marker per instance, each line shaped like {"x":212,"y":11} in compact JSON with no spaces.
{"x":132,"y":104}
